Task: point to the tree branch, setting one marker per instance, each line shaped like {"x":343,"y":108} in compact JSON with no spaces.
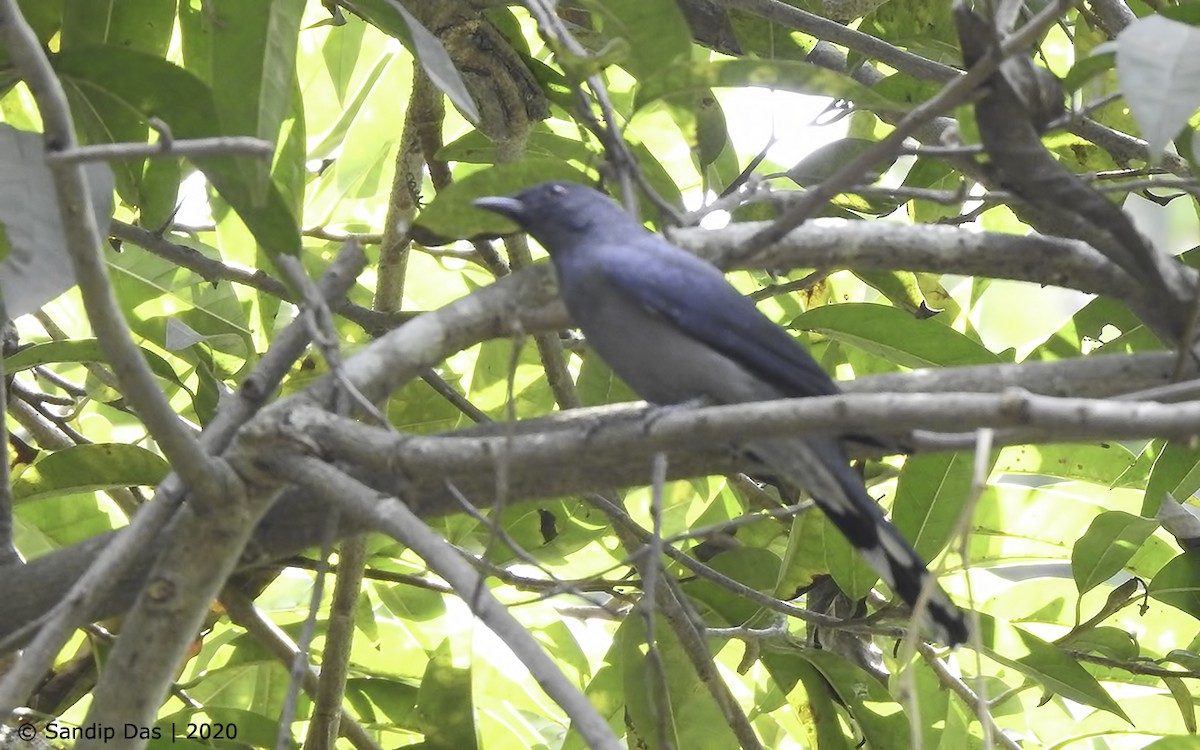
{"x":214,"y":270}
{"x":168,"y":149}
{"x":206,"y":477}
{"x":792,"y":17}
{"x":243,"y":612}
{"x":952,"y":94}
{"x":624,"y":434}
{"x":393,"y":517}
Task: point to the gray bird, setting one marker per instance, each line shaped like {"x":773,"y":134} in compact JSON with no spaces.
{"x":672,"y":327}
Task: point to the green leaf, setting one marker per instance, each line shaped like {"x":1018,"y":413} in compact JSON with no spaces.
{"x":1159,"y":72}
{"x":246,"y":53}
{"x":924,"y":27}
{"x":44,"y":17}
{"x":1183,"y":700}
{"x":750,"y":566}
{"x":894,"y":335}
{"x":1186,"y":659}
{"x":36,"y":264}
{"x":1086,"y":69}
{"x":476,"y":148}
{"x":411,"y":603}
{"x":1106,"y":464}
{"x":832,"y":551}
{"x":1110,"y":541}
{"x":1114,"y":643}
{"x":1187,"y":742}
{"x":451,"y":216}
{"x":341,"y":54}
{"x":159,"y":185}
{"x":384,"y":700}
{"x":901,"y":288}
{"x":825,"y":161}
{"x":445,"y":706}
{"x":931,"y":699}
{"x":113,"y":79}
{"x":1176,"y":473}
{"x":712,"y":135}
{"x":79,"y":350}
{"x":1044,"y":663}
{"x":394,"y":19}
{"x":253,"y":729}
{"x":438,"y":65}
{"x":799,"y":77}
{"x":156,"y":291}
{"x":57,"y":521}
{"x":821,"y":703}
{"x":692,"y":716}
{"x":564,"y":646}
{"x":933,"y":174}
{"x":1178,"y":583}
{"x":141,"y":25}
{"x":335,"y":136}
{"x":655,"y":35}
{"x":144,"y":25}
{"x":606,"y":692}
{"x":930,"y":494}
{"x":88,"y":350}
{"x":879,"y":717}
{"x":87,"y":468}
{"x":912,"y":91}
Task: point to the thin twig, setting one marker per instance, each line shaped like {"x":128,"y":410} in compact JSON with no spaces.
{"x":299,"y":666}
{"x":981,"y":470}
{"x":214,"y":270}
{"x":497,"y":531}
{"x":244,"y":614}
{"x":8,"y":551}
{"x":651,"y":570}
{"x":952,"y":94}
{"x":872,"y":47}
{"x":234,"y":145}
{"x":960,"y":688}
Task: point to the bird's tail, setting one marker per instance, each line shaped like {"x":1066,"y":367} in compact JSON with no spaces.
{"x":820,"y":466}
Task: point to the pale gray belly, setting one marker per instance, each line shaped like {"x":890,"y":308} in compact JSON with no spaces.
{"x":661,"y":364}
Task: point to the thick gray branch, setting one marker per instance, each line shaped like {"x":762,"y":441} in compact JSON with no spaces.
{"x":882,"y":246}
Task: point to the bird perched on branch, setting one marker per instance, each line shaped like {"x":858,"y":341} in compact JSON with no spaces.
{"x":672,"y":327}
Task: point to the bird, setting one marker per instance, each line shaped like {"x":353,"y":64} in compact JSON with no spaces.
{"x":676,"y":331}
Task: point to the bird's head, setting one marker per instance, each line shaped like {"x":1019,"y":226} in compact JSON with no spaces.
{"x":557,"y":214}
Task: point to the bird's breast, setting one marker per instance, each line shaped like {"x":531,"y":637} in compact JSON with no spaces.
{"x":661,"y":362}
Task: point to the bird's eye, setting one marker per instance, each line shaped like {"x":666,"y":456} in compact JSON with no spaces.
{"x":558,"y":190}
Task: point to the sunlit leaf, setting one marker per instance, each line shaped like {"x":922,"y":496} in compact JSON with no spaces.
{"x":1109,"y":543}
{"x":88,"y":468}
{"x":1159,"y":72}
{"x":800,"y":77}
{"x":116,"y":79}
{"x":36,"y":264}
{"x":894,"y":335}
{"x":1178,"y":583}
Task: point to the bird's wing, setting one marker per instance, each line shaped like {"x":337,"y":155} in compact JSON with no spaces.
{"x":697,"y":299}
{"x":694,"y":297}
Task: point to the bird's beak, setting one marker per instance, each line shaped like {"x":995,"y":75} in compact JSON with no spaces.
{"x":503,"y":205}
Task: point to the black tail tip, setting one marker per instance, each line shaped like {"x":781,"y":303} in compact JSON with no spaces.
{"x":949,"y":624}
